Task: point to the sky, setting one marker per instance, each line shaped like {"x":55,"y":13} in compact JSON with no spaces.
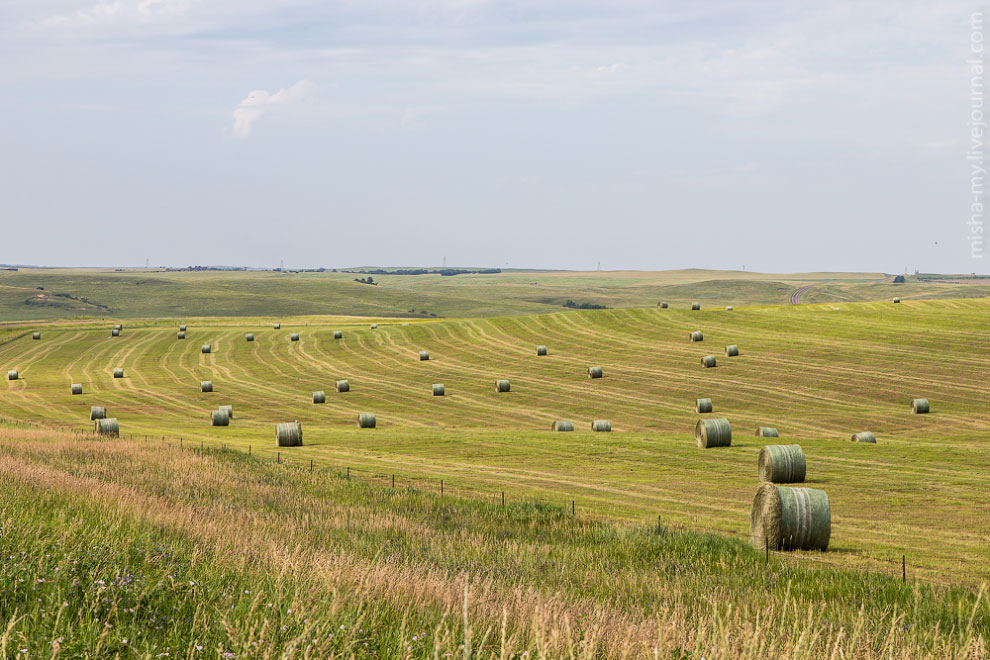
{"x":775,"y":136}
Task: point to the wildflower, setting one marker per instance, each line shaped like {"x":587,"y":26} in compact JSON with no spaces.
{"x":65,"y":604}
{"x":40,"y":580}
{"x":124,"y":641}
{"x":228,"y":654}
{"x":199,"y":648}
{"x":192,"y":583}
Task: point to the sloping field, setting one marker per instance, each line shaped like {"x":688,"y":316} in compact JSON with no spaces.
{"x":818,"y":373}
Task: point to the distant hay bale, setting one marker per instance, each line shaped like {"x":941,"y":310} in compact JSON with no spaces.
{"x":180,"y":335}
{"x":786,"y":518}
{"x":107,"y":426}
{"x":732,"y":350}
{"x":601,"y":426}
{"x":439,"y":390}
{"x":367,"y":421}
{"x":695,"y":306}
{"x":182,"y":328}
{"x":697,"y":336}
{"x":219,"y":418}
{"x":294,"y":336}
{"x":75,"y":388}
{"x":708,"y":361}
{"x":337,"y":334}
{"x":501,"y":385}
{"x":288,"y":434}
{"x":374,"y":326}
{"x":97,"y":412}
{"x":897,"y":300}
{"x":115,"y":332}
{"x":36,"y":335}
{"x":404,"y":324}
{"x":864,"y":436}
{"x":703,"y":405}
{"x":118,"y":373}
{"x":206,"y":348}
{"x":782,"y":464}
{"x":118,"y":327}
{"x":229,"y":410}
{"x":767,"y":432}
{"x":715,"y":432}
{"x":728,"y":308}
{"x":12,"y":374}
{"x":206,"y":386}
{"x":424,"y":355}
{"x":662,"y":305}
{"x":541,"y":350}
{"x":561,"y":425}
{"x":920,"y":406}
{"x":319,"y":397}
{"x":595,"y":372}
{"x":277,"y":326}
{"x":249,"y":336}
{"x":343,"y":386}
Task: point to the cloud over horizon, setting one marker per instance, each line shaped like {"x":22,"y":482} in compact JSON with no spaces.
{"x":259,"y":103}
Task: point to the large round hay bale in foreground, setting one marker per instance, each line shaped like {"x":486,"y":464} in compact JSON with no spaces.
{"x":732,"y":350}
{"x":662,"y":305}
{"x":703,"y":405}
{"x":367,"y":421}
{"x":695,"y":306}
{"x":75,"y":388}
{"x":182,"y":328}
{"x":424,"y":355}
{"x":118,"y":373}
{"x":767,"y":432}
{"x":864,"y":436}
{"x":288,"y":434}
{"x":438,"y":389}
{"x":601,"y":426}
{"x":12,"y":374}
{"x":697,"y":336}
{"x":337,"y":334}
{"x":206,"y":348}
{"x":180,"y":335}
{"x":115,"y":332}
{"x":501,"y":385}
{"x":97,"y":412}
{"x":294,"y":336}
{"x":561,"y":425}
{"x":249,"y":336}
{"x":920,"y":406}
{"x":319,"y":397}
{"x":786,"y":518}
{"x":343,"y":386}
{"x":541,"y":350}
{"x":595,"y":372}
{"x":715,"y":432}
{"x":107,"y":426}
{"x":708,"y":361}
{"x":206,"y":386}
{"x":36,"y":335}
{"x":782,"y":464}
{"x":229,"y":410}
{"x":219,"y":418}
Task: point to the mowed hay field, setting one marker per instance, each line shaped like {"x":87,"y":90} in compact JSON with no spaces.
{"x":818,"y":373}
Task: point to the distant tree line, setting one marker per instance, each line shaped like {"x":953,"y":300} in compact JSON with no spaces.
{"x":429,"y":271}
{"x":570,"y":304}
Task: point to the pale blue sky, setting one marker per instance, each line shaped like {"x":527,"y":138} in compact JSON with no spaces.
{"x":783,"y":136}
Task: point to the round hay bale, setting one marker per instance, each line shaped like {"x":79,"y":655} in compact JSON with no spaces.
{"x":767,"y":432}
{"x":277,"y":326}
{"x":75,"y":388}
{"x":662,"y":305}
{"x":438,"y":389}
{"x":864,"y":436}
{"x":107,"y":426}
{"x":288,"y":434}
{"x":601,"y":426}
{"x":182,"y":328}
{"x":206,"y":348}
{"x":697,"y":336}
{"x":219,"y":418}
{"x":367,"y":421}
{"x":118,"y":373}
{"x":180,"y":335}
{"x":206,"y":386}
{"x":337,"y":334}
{"x":695,"y":307}
{"x":782,"y":464}
{"x":561,"y":425}
{"x":786,"y":518}
{"x":36,"y":335}
{"x":501,"y":385}
{"x":249,"y":336}
{"x":404,"y":324}
{"x":343,"y":386}
{"x":715,"y":432}
{"x":728,"y":308}
{"x":595,"y":372}
{"x":319,"y":397}
{"x":12,"y":374}
{"x":732,"y":350}
{"x":920,"y":406}
{"x":229,"y":410}
{"x":541,"y":350}
{"x":424,"y":355}
{"x":374,"y":326}
{"x":119,"y":327}
{"x":897,"y":300}
{"x":97,"y":412}
{"x":703,"y":405}
{"x":708,"y":361}
{"x":294,"y":336}
{"x":115,"y":332}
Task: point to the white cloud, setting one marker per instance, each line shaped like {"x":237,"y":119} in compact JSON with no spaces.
{"x":259,"y":103}
{"x":106,"y":11}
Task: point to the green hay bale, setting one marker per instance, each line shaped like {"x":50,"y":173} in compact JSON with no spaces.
{"x":288,"y":434}
{"x":249,"y":336}
{"x":115,"y":332}
{"x":662,"y":305}
{"x":438,"y":389}
{"x":501,"y":385}
{"x":294,"y":336}
{"x":703,"y":405}
{"x":36,"y":335}
{"x":319,"y":397}
{"x":695,"y":307}
{"x":782,"y":464}
{"x":697,"y":336}
{"x":367,"y":421}
{"x":897,"y":300}
{"x":541,"y":350}
{"x":732,"y":350}
{"x":424,"y":355}
{"x":12,"y":374}
{"x":864,"y":436}
{"x":206,"y":386}
{"x":206,"y":348}
{"x":595,"y":372}
{"x":561,"y":425}
{"x":118,"y":373}
{"x":180,"y":335}
{"x":601,"y":426}
{"x":182,"y":328}
{"x":229,"y":410}
{"x":337,"y":334}
{"x":219,"y":418}
{"x":715,"y":432}
{"x":708,"y":361}
{"x":75,"y":388}
{"x":767,"y":432}
{"x":343,"y":386}
{"x":786,"y":518}
{"x":97,"y":412}
{"x":107,"y":426}
{"x":277,"y":326}
{"x":920,"y":407}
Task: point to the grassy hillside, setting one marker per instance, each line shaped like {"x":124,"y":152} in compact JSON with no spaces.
{"x":817,"y":372}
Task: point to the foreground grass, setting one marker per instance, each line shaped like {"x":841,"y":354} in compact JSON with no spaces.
{"x":133,"y":549}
